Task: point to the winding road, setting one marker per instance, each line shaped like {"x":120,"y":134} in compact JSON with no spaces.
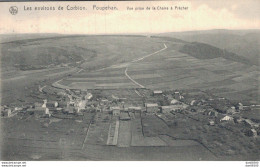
{"x":139,"y":59}
{"x":57,"y":84}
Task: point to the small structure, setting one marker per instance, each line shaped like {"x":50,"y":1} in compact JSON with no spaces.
{"x":211,"y":123}
{"x":124,"y":116}
{"x":157,"y":92}
{"x":251,"y":133}
{"x":151,"y":107}
{"x":89,"y":96}
{"x":254,"y":132}
{"x":115,"y":111}
{"x":104,"y":102}
{"x":226,"y":118}
{"x":240,"y":106}
{"x":134,"y":109}
{"x":38,"y":105}
{"x":71,"y":110}
{"x":213,"y":113}
{"x":39,"y":111}
{"x":7,"y":112}
{"x":192,"y":102}
{"x":63,"y":104}
{"x":52,"y":104}
{"x":174,"y":101}
{"x":18,"y":108}
{"x":47,"y":112}
{"x":231,"y":110}
{"x":81,"y":105}
{"x":167,"y":109}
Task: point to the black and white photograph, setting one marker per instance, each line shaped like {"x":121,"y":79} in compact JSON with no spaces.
{"x":130,"y":81}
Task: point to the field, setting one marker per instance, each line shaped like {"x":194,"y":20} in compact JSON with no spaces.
{"x":166,"y":69}
{"x":123,"y":70}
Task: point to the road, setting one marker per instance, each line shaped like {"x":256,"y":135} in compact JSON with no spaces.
{"x":127,"y":64}
{"x":139,"y":59}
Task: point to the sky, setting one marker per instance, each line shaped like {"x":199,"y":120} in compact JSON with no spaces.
{"x":201,"y":15}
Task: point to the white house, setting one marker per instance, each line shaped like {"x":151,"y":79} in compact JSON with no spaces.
{"x":174,"y":101}
{"x":89,"y":96}
{"x":115,"y":111}
{"x":157,"y":92}
{"x":227,"y":118}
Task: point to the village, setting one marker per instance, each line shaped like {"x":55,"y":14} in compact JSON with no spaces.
{"x":72,"y":104}
{"x":186,"y":115}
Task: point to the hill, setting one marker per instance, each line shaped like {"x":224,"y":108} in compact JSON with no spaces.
{"x":244,"y":43}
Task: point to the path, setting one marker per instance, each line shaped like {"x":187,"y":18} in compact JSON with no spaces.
{"x":142,"y":58}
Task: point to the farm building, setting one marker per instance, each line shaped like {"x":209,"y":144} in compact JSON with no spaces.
{"x":226,"y":118}
{"x":151,"y":107}
{"x":174,"y":101}
{"x":62,"y":104}
{"x":52,"y":104}
{"x":240,"y":106}
{"x":124,"y":116}
{"x":37,"y":105}
{"x":81,"y":105}
{"x":251,"y":133}
{"x":254,"y":132}
{"x":157,"y":92}
{"x":167,"y":109}
{"x":192,"y":102}
{"x":71,"y":110}
{"x":134,"y":109}
{"x":212,"y":113}
{"x":231,"y":110}
{"x":47,"y":112}
{"x":211,"y":123}
{"x":104,"y":102}
{"x":7,"y":112}
{"x":89,"y":96}
{"x":40,"y":111}
{"x":115,"y":111}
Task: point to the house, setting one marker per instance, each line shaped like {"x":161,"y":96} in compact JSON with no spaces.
{"x":134,"y":109}
{"x":213,"y":113}
{"x":52,"y":104}
{"x":37,"y":105}
{"x":39,"y":111}
{"x":47,"y":112}
{"x":104,"y":102}
{"x":63,"y":104}
{"x":115,"y":111}
{"x":77,"y":92}
{"x":151,"y":107}
{"x":7,"y":112}
{"x":157,"y":92}
{"x":251,"y":133}
{"x":124,"y":116}
{"x":254,"y":132}
{"x":18,"y":108}
{"x":240,"y":106}
{"x":231,"y":110}
{"x":71,"y":110}
{"x":192,"y":102}
{"x":89,"y":96}
{"x":81,"y":105}
{"x":167,"y":109}
{"x":211,"y":123}
{"x":174,"y":101}
{"x":226,"y":118}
